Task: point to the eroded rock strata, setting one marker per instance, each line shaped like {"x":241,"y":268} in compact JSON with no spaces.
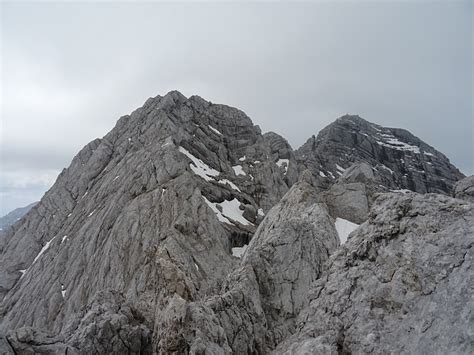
{"x":139,"y":245}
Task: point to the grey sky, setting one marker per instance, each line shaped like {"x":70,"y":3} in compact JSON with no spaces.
{"x":70,"y":70}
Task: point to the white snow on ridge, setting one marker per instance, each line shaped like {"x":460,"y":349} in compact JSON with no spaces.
{"x":214,"y":130}
{"x":280,"y":163}
{"x":213,"y":207}
{"x":238,"y":170}
{"x":387,"y":168}
{"x":394,"y":143}
{"x":42,"y":251}
{"x":232,"y":185}
{"x":344,"y":228}
{"x":340,"y":168}
{"x":239,"y":251}
{"x":322,"y":174}
{"x":230,"y":211}
{"x":199,"y":167}
{"x":45,"y":247}
{"x":403,"y":191}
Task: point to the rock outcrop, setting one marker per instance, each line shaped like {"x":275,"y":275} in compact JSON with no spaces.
{"x":149,"y":211}
{"x":464,"y":189}
{"x":401,"y":160}
{"x":353,"y":193}
{"x":260,"y":301}
{"x":402,"y":284}
{"x":134,"y":248}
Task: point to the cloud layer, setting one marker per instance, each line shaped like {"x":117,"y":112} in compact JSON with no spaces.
{"x":70,"y":70}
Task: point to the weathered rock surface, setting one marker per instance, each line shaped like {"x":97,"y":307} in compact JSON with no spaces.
{"x":261,"y":299}
{"x":149,"y":211}
{"x":131,"y":250}
{"x":464,"y":189}
{"x":401,"y":160}
{"x":402,"y":284}
{"x":353,"y":193}
{"x":107,"y":326}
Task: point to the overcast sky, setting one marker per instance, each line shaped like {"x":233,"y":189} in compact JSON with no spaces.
{"x":70,"y":70}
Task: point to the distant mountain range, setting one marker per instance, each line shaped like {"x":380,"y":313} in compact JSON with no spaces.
{"x":13,"y":216}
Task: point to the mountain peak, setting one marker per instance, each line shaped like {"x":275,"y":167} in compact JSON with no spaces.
{"x":402,"y":160}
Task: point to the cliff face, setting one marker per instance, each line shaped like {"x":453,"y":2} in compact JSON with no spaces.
{"x":139,"y":245}
{"x":403,"y":283}
{"x":400,"y":160}
{"x":151,"y":209}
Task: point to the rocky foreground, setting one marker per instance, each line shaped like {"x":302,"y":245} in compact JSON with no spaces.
{"x":185,"y":230}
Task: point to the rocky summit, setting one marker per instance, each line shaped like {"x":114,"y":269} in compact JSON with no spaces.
{"x":399,"y":159}
{"x":185,"y":230}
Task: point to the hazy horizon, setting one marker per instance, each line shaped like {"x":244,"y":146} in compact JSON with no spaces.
{"x":70,"y":70}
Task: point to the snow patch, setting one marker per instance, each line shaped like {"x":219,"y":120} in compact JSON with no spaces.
{"x":90,"y":214}
{"x":43,"y":250}
{"x":230,"y":211}
{"x":340,"y":168}
{"x":322,"y":174}
{"x":239,"y":251}
{"x":283,"y":162}
{"x":228,"y":182}
{"x":243,"y":158}
{"x":428,"y":154}
{"x":344,"y":228}
{"x":387,"y":168}
{"x":403,"y":191}
{"x":260,"y":212}
{"x":115,"y":178}
{"x":238,"y":170}
{"x":64,"y":238}
{"x":394,"y":143}
{"x":199,"y":167}
{"x":214,"y":130}
{"x":63,"y":291}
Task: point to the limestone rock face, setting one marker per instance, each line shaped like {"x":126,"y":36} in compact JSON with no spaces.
{"x":259,"y":302}
{"x":403,"y":283}
{"x":150,"y":211}
{"x":464,"y":189}
{"x":353,"y":193}
{"x":401,"y":160}
{"x":134,"y":248}
{"x":107,"y":326}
